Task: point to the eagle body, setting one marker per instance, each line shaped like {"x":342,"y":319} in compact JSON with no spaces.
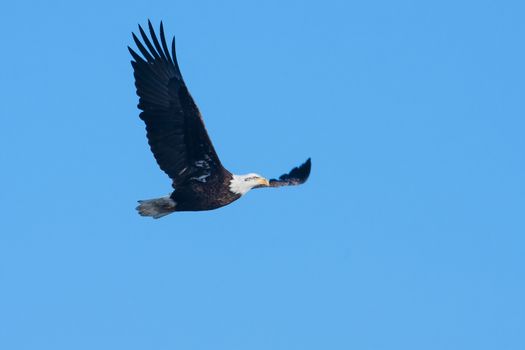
{"x":205,"y":196}
{"x":178,"y":138}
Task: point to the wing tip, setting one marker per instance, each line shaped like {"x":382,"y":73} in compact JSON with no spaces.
{"x":305,"y":169}
{"x":308,"y":163}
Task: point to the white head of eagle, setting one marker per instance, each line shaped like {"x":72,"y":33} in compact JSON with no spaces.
{"x":241,"y":184}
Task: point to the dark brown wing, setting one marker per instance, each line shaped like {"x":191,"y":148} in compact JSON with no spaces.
{"x":175,"y":130}
{"x":297,"y":176}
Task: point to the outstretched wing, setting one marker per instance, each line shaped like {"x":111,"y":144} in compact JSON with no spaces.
{"x":297,"y":176}
{"x":175,"y":130}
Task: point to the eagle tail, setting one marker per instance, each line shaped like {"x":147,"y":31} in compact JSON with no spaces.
{"x":157,"y":207}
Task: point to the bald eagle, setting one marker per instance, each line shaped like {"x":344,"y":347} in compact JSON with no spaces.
{"x":178,"y":138}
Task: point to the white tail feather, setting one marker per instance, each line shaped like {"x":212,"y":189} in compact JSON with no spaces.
{"x":157,"y":207}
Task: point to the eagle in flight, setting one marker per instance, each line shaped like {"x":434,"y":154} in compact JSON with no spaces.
{"x":178,"y":138}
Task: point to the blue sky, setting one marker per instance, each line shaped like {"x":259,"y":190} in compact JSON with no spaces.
{"x":408,"y":235}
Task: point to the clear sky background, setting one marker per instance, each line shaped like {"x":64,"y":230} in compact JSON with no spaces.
{"x":408,"y":235}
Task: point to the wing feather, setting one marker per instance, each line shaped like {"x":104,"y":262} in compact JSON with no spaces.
{"x":175,"y":130}
{"x":296,"y":176}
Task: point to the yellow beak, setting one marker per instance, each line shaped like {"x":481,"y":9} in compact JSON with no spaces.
{"x":263,"y":181}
